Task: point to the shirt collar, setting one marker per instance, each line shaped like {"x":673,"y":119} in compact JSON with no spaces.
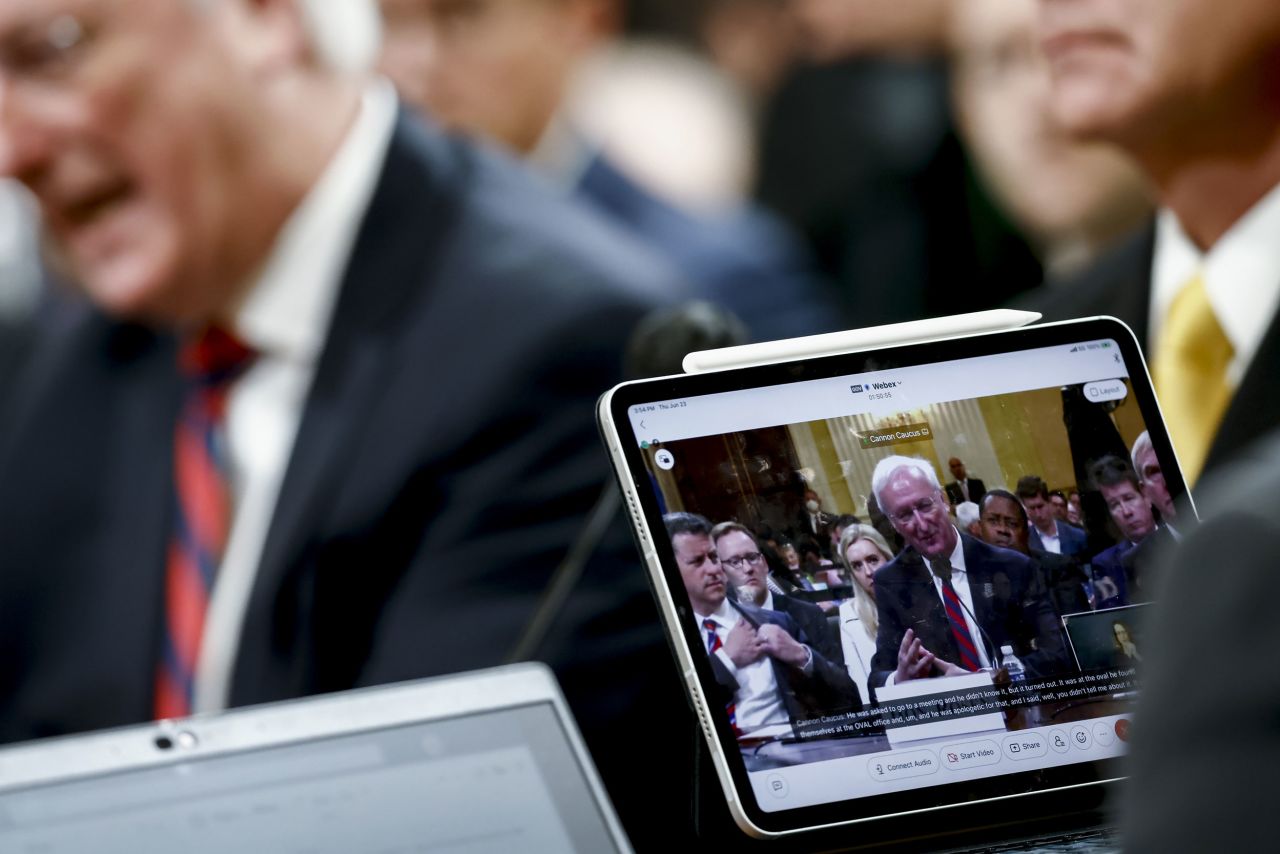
{"x":957,"y":554}
{"x":287,"y":311}
{"x":562,"y":154}
{"x":1241,"y":275}
{"x":725,"y":615}
{"x":768,"y":600}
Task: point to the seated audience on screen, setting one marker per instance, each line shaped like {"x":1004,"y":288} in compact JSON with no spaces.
{"x":1004,"y":524}
{"x":770,"y":675}
{"x":743,"y":561}
{"x":967,"y":518}
{"x":1118,"y":576}
{"x":1058,"y":499}
{"x":862,"y":551}
{"x":1048,"y":533}
{"x":1151,"y":477}
{"x":838,"y":527}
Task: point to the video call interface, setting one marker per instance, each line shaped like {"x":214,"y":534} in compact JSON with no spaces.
{"x":932,"y":574}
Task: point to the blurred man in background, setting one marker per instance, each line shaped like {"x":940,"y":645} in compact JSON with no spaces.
{"x":1071,"y":198}
{"x":506,"y":70}
{"x":1191,"y":93}
{"x":330,"y":422}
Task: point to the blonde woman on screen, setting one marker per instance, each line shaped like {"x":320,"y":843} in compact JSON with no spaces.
{"x":862,"y":551}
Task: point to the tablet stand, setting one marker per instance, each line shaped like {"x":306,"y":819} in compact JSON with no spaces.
{"x":853,"y":340}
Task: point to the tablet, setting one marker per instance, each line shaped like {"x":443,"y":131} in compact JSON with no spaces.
{"x":811,"y":715}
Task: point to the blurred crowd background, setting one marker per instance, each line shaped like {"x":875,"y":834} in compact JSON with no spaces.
{"x":793,"y":166}
{"x":858,"y":162}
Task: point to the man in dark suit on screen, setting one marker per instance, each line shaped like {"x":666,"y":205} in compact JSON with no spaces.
{"x":1122,"y":573}
{"x":1191,"y":97}
{"x":772,"y":674}
{"x":1048,"y":532}
{"x":948,"y":602}
{"x":329,"y":420}
{"x":963,"y":488}
{"x":1003,"y":523}
{"x":745,"y":566}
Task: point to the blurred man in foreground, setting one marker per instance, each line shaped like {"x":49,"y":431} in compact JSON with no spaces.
{"x":1191,"y":748}
{"x":330,"y":422}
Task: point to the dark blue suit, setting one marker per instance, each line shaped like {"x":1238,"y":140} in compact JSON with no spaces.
{"x":1010,"y":604}
{"x":1124,"y":574}
{"x":445,"y":458}
{"x":744,"y":261}
{"x":813,"y":621}
{"x":826,"y":690}
{"x":1110,"y":582}
{"x":1071,"y":540}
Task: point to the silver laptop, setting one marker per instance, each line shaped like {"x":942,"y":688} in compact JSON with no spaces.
{"x":489,"y":761}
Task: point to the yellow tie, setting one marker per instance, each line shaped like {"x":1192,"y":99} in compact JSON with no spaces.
{"x":1190,"y":368}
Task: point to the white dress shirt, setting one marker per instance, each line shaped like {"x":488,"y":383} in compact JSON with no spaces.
{"x":758,"y":703}
{"x":960,"y":581}
{"x":1241,"y":275}
{"x":1053,"y":542}
{"x":285,"y":318}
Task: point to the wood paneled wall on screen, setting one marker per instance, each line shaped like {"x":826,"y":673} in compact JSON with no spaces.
{"x":750,"y":477}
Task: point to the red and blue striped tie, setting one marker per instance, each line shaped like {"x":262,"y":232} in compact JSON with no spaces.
{"x":201,"y":512}
{"x":713,"y":645}
{"x":969,"y":658}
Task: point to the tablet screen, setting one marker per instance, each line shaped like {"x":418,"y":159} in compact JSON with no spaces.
{"x":875,"y":559}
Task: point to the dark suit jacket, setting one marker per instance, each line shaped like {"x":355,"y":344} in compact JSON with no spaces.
{"x":803,"y":528}
{"x":744,"y":260}
{"x":1208,"y":750}
{"x":1110,"y":580}
{"x":1008,"y":602}
{"x":828,"y":689}
{"x":1119,"y":285}
{"x":812,"y":620}
{"x":1064,"y":579}
{"x":1126,"y":573}
{"x":977,"y":489}
{"x":1071,"y":540}
{"x":446,"y":456}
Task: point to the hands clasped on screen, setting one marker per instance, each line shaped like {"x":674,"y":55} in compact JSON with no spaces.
{"x":746,"y":645}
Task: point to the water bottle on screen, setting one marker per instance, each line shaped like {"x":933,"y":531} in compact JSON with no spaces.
{"x":1011,"y":662}
{"x":1017,"y":674}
